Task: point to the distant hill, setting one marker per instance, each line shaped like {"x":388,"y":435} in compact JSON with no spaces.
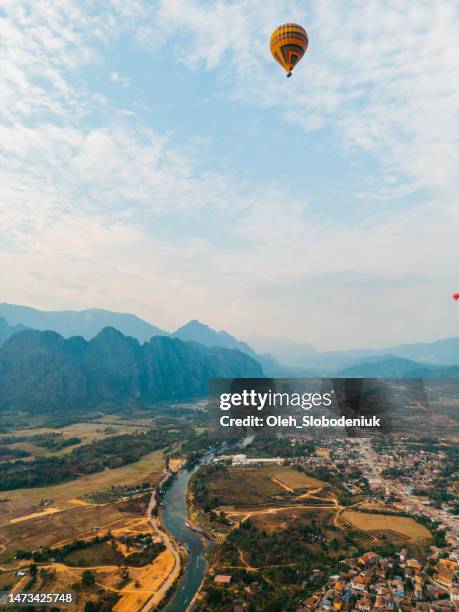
{"x":86,"y":323}
{"x":195,"y":331}
{"x":389,"y":366}
{"x":294,"y":354}
{"x":6,"y":331}
{"x":278,"y":356}
{"x":42,"y":371}
{"x":440,"y":352}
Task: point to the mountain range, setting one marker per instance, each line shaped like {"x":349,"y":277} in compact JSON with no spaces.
{"x":88,"y":323}
{"x":389,"y":366}
{"x":6,"y":331}
{"x":85,"y":323}
{"x":278,"y":357}
{"x":195,"y":331}
{"x":439,"y":352}
{"x":40,"y":371}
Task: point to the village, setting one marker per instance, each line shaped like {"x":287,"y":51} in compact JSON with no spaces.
{"x":387,"y":483}
{"x":372,"y":582}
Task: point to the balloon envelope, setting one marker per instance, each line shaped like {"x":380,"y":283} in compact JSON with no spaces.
{"x":289,"y":43}
{"x":456,"y":296}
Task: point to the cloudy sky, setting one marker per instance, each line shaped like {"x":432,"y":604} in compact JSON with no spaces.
{"x":155,"y":159}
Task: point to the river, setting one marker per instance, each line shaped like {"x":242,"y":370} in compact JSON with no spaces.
{"x":174,"y":515}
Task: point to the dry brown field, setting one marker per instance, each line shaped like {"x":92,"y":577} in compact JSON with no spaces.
{"x":293,"y":479}
{"x":381,"y":523}
{"x":66,"y":526}
{"x":24,"y":502}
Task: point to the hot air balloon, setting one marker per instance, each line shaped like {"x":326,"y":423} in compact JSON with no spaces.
{"x":289,"y":43}
{"x":456,"y":296}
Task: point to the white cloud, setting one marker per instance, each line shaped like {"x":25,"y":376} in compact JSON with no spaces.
{"x":382,"y":74}
{"x":116,"y":77}
{"x":98,"y":209}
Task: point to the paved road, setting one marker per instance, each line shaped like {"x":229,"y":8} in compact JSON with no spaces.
{"x":398,"y":489}
{"x":171,"y":546}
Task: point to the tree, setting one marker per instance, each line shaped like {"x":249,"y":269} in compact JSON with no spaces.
{"x":87,"y":579}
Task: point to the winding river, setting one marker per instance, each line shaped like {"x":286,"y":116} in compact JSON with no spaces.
{"x":174,"y":515}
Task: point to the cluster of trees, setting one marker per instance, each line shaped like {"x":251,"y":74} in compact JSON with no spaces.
{"x":53,"y":441}
{"x":146,"y":553}
{"x":266,"y":447}
{"x":286,"y":559}
{"x":112,"y":452}
{"x":44,"y":555}
{"x":281,"y":547}
{"x":105,"y":603}
{"x":144,"y":556}
{"x":202,"y":496}
{"x":195,"y":445}
{"x":7,"y":453}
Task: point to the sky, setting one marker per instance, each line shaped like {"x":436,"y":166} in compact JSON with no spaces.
{"x":154,"y":159}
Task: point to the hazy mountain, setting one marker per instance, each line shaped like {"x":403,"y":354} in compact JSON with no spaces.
{"x":8,"y":330}
{"x":86,"y":323}
{"x":333,"y":360}
{"x":278,"y":356}
{"x":389,"y":366}
{"x":42,"y":371}
{"x":283,"y":350}
{"x":303,"y":355}
{"x":440,"y":352}
{"x":195,"y":331}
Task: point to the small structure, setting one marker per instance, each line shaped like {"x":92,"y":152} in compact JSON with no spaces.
{"x":222,"y":579}
{"x":360,"y":583}
{"x":369,"y":558}
{"x":413,"y":564}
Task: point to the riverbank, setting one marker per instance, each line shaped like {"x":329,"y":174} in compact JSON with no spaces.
{"x":170,"y":545}
{"x":174,"y":518}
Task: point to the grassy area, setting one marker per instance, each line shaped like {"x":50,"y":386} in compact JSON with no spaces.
{"x":278,"y":550}
{"x":294,"y":479}
{"x":101,"y":553}
{"x":23,"y":502}
{"x":149,"y":579}
{"x":66,"y":526}
{"x":87,"y":432}
{"x":380,"y":523}
{"x":7,"y":579}
{"x":243,"y":486}
{"x":278,"y":521}
{"x":237,"y":487}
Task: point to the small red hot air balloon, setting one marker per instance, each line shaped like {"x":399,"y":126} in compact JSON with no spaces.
{"x":456,"y":296}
